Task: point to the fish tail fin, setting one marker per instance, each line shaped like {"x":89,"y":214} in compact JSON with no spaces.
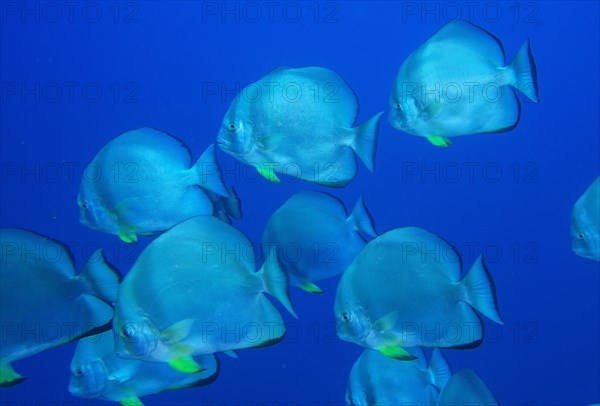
{"x":525,"y":73}
{"x":8,"y":376}
{"x":481,"y":291}
{"x":364,"y":142}
{"x":439,"y":369}
{"x":362,"y":219}
{"x":232,"y":206}
{"x":276,"y":281}
{"x":208,"y":172}
{"x":102,"y":279}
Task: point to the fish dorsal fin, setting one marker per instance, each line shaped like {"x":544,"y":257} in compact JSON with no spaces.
{"x":471,"y":37}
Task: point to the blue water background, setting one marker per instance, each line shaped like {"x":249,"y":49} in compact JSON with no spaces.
{"x":175,"y":66}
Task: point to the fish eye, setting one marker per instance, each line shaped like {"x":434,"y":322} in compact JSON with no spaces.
{"x":345,"y":317}
{"x":580,"y":236}
{"x":127,"y":331}
{"x":79,"y":372}
{"x":84,"y":205}
{"x":232,"y":126}
{"x":398,"y":106}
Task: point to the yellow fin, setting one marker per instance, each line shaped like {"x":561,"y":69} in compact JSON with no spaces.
{"x":133,"y":401}
{"x":439,"y":141}
{"x":128,"y":236}
{"x":8,"y":376}
{"x":268,"y":172}
{"x":396,"y":352}
{"x":187,"y":365}
{"x":310,"y":287}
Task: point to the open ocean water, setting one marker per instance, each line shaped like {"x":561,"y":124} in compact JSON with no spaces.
{"x":76,"y":74}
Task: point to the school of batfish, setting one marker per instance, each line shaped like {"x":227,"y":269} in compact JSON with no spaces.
{"x":157,"y":328}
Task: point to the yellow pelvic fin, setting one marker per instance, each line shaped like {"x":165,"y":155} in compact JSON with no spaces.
{"x":8,"y":376}
{"x":268,"y":172}
{"x":133,"y":401}
{"x":396,"y":352}
{"x":187,"y":365}
{"x":310,"y":287}
{"x":128,"y":236}
{"x":439,"y":141}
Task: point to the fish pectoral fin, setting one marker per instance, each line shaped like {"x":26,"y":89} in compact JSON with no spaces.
{"x":231,"y":354}
{"x":8,"y":376}
{"x":387,"y":322}
{"x":187,"y":365}
{"x":396,"y":352}
{"x":268,"y":172}
{"x":310,"y":287}
{"x":431,"y":111}
{"x":268,"y":142}
{"x":177,"y":332}
{"x":132,"y":401}
{"x":439,"y":141}
{"x":128,"y":236}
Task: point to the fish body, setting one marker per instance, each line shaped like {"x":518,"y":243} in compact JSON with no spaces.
{"x":405,"y":289}
{"x":457,"y":83}
{"x":585,"y":223}
{"x":142,"y":182}
{"x":299,"y":122}
{"x":44,"y":303}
